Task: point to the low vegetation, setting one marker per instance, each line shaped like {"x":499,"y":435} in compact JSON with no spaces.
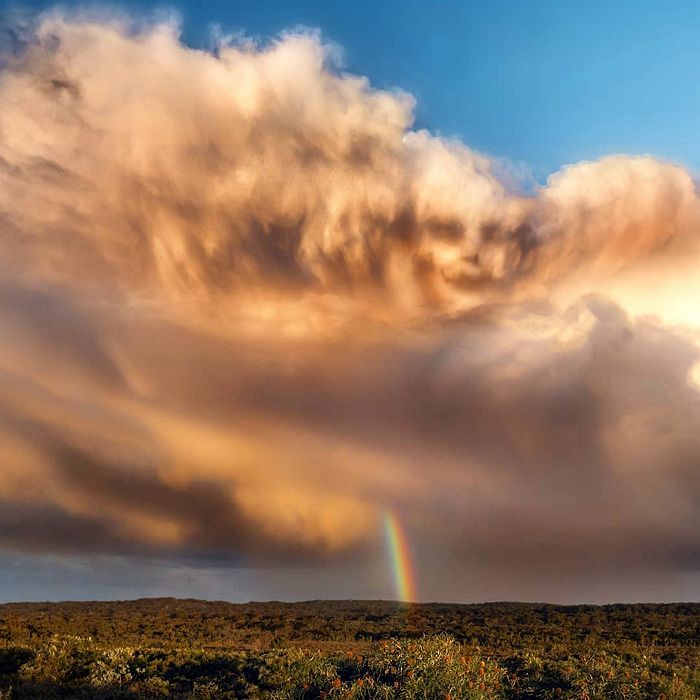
{"x":307,"y":651}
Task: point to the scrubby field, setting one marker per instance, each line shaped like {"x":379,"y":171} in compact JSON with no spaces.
{"x":194,"y":649}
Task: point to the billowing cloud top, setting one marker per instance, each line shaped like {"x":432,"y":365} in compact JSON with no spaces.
{"x":245,"y":309}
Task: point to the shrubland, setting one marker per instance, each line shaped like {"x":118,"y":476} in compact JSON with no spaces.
{"x":308,"y":651}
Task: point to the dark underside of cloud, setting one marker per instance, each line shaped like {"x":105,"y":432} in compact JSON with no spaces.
{"x":245,"y":310}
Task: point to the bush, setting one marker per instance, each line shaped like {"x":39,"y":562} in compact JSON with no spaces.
{"x":425,"y":669}
{"x":111,"y":668}
{"x":189,"y":650}
{"x":62,"y":661}
{"x":13,"y":658}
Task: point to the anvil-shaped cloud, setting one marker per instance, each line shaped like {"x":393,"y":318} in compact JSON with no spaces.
{"x":245,"y":308}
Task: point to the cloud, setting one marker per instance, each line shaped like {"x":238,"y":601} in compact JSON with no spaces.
{"x":245,"y":308}
{"x":170,"y":171}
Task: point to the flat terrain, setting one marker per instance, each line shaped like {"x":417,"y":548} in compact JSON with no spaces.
{"x":189,"y":648}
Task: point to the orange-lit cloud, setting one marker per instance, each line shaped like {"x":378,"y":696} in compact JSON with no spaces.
{"x":245,"y":308}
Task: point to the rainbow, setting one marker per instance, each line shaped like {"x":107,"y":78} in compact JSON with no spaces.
{"x":404,"y":577}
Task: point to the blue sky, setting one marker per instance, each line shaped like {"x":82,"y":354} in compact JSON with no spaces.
{"x":289,"y":342}
{"x":542,"y":83}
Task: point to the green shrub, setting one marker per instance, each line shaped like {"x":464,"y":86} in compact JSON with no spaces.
{"x":153,"y":687}
{"x":61,"y":661}
{"x":361,"y":651}
{"x":111,"y":668}
{"x":427,"y":669}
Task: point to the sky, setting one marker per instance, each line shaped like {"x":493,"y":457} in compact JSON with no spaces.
{"x":324,"y":300}
{"x":541,"y":83}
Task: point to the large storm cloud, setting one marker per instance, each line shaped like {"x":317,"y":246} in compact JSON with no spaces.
{"x":245,"y":309}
